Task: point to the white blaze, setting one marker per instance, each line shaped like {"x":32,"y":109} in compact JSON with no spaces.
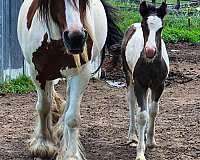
{"x":154,"y":24}
{"x":73,"y":15}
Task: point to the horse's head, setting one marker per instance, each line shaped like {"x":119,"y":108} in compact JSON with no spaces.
{"x":152,"y":25}
{"x":68,"y":14}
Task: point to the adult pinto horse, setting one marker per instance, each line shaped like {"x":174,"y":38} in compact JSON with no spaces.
{"x":59,"y":39}
{"x":146,"y":66}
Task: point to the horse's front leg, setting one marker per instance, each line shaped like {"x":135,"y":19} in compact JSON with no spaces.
{"x":70,"y":144}
{"x":41,"y":143}
{"x":153,"y":111}
{"x":142,"y":118}
{"x":132,"y":134}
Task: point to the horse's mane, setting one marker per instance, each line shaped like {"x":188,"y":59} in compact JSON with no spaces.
{"x":44,"y":6}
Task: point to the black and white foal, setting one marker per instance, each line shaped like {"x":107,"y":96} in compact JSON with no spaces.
{"x":146,"y":65}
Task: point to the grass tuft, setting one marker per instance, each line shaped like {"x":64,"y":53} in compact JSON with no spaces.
{"x":21,"y":85}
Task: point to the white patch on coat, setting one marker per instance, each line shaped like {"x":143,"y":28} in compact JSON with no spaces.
{"x":30,"y":40}
{"x":165,"y":55}
{"x":96,"y":16}
{"x":154,"y":24}
{"x":134,"y":47}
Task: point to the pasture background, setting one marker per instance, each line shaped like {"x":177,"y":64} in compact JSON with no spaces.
{"x":177,"y":28}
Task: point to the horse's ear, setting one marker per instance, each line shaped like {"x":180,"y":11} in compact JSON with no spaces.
{"x":162,"y":10}
{"x":143,"y":9}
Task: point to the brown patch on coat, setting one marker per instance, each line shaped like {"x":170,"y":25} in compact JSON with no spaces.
{"x":127,"y":36}
{"x":51,"y":57}
{"x":31,"y":12}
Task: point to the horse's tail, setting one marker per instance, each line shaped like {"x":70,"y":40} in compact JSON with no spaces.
{"x":114,"y":35}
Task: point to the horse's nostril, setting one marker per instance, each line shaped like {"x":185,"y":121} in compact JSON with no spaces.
{"x":65,"y":35}
{"x":150,"y":52}
{"x":75,"y":41}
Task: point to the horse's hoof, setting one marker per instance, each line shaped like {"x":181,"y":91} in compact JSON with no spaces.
{"x":62,"y":157}
{"x":140,"y":157}
{"x":42,"y":148}
{"x":132,"y":140}
{"x":151,"y":144}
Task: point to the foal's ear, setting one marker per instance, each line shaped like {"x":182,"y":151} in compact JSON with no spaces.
{"x":162,"y":10}
{"x":143,"y":9}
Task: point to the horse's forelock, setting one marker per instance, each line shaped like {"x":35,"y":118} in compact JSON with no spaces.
{"x":44,"y":9}
{"x":45,"y":4}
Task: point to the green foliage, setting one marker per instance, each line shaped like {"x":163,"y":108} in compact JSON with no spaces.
{"x":22,"y":84}
{"x":128,"y":18}
{"x":175,"y":35}
{"x":176,"y":28}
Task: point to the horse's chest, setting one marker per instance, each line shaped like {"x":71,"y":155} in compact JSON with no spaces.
{"x":51,"y":58}
{"x":150,"y":74}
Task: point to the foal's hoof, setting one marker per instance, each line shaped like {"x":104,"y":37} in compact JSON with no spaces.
{"x":62,"y":157}
{"x":133,"y":140}
{"x":151,"y":144}
{"x":42,"y":148}
{"x":65,"y":155}
{"x":140,"y":157}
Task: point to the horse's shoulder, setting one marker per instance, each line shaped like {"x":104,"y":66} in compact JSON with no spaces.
{"x":31,"y":12}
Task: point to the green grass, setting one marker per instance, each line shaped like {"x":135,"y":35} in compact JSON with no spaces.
{"x":176,"y":28}
{"x":21,"y":85}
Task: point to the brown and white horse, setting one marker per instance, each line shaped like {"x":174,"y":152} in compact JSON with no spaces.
{"x":146,"y":66}
{"x":60,"y":39}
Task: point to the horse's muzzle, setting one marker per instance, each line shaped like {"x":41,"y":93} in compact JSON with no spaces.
{"x":150,"y":52}
{"x":75,"y":41}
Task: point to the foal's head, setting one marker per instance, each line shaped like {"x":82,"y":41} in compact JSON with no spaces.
{"x":152,"y":25}
{"x":69,"y":15}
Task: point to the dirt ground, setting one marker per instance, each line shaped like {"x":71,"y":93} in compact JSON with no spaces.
{"x":104,"y":114}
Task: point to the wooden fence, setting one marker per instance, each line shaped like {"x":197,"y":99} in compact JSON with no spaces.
{"x":11,"y":59}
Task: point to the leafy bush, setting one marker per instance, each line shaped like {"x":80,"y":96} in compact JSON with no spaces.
{"x":22,"y":84}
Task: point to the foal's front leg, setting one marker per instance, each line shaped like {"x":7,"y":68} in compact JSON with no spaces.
{"x":153,"y":111}
{"x":132,"y":134}
{"x":70,"y":145}
{"x":142,"y":118}
{"x":41,"y":143}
